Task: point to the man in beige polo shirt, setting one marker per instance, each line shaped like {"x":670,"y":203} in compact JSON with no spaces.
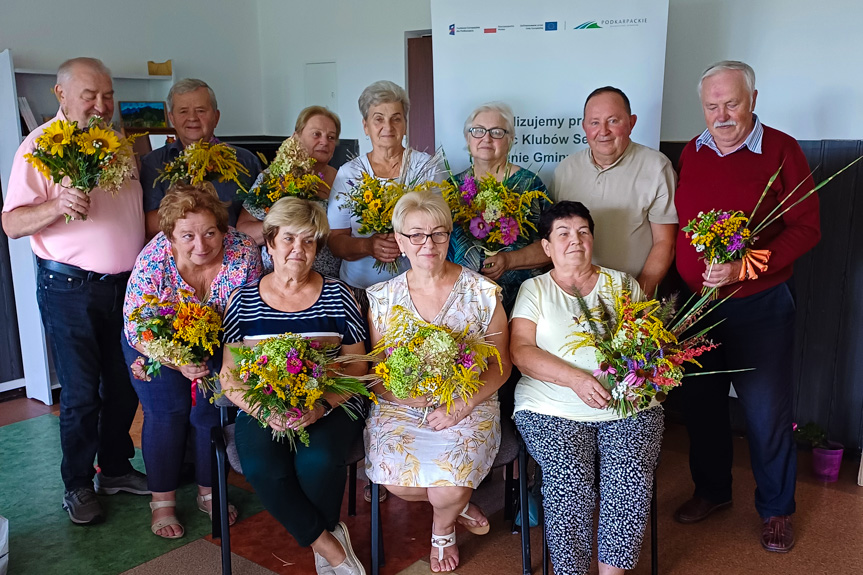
{"x":628,"y":188}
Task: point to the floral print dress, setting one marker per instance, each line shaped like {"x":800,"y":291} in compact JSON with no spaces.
{"x":401,"y":451}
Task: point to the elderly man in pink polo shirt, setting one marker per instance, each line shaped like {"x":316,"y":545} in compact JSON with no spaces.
{"x":83,"y":267}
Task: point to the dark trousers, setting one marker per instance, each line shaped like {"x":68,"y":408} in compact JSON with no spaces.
{"x":84,"y":321}
{"x":168,"y":412}
{"x":302,"y":489}
{"x":757,"y":332}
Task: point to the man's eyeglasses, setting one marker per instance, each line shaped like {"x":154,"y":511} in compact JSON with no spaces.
{"x":496,"y":133}
{"x":420,"y":239}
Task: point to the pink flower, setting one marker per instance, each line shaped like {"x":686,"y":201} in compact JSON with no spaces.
{"x":466,"y":360}
{"x":508,"y":231}
{"x":314,"y":344}
{"x":294,"y":365}
{"x":268,"y":389}
{"x":604,"y":369}
{"x":479,"y":228}
{"x":244,"y":375}
{"x":262,"y":360}
{"x":635,"y":378}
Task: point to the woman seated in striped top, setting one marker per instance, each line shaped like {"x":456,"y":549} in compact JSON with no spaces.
{"x":302,"y":489}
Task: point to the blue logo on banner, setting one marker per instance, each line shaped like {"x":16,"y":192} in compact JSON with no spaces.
{"x":589,"y":25}
{"x":550,"y":26}
{"x":452,"y":29}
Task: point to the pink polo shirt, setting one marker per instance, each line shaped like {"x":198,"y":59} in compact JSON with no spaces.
{"x":107,"y":242}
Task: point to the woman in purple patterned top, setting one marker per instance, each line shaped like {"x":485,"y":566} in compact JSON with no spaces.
{"x":198,"y":253}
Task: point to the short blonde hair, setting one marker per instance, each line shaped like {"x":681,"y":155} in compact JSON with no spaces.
{"x":182,"y":199}
{"x":308,"y":113}
{"x":426,"y":202}
{"x":299,"y":216}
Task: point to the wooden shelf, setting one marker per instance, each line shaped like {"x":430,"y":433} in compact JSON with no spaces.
{"x":35,"y":72}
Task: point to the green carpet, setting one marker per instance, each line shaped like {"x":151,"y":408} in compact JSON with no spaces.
{"x":42,"y":540}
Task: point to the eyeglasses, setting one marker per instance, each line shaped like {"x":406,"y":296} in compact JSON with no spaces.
{"x":421,"y":239}
{"x":496,"y":133}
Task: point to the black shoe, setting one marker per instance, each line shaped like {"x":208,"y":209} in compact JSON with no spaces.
{"x":133,"y":482}
{"x":83,"y":507}
{"x":698,"y":509}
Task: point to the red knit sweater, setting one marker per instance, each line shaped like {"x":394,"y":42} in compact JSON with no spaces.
{"x":735,"y":182}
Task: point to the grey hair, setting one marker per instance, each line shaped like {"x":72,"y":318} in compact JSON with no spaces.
{"x":64,"y":72}
{"x":501,"y":108}
{"x":426,"y":202}
{"x":734,"y":66}
{"x":187,"y":85}
{"x":383,"y":92}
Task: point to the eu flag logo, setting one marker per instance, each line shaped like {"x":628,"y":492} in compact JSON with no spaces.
{"x":550,"y":26}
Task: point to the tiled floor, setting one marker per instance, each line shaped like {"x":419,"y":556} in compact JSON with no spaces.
{"x":829,"y":525}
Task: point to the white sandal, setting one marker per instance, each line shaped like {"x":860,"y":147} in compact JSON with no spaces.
{"x":209,"y":497}
{"x":166,"y":521}
{"x":441,"y":542}
{"x":476,"y":530}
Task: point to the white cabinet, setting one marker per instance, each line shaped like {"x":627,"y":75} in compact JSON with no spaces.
{"x":37,"y":86}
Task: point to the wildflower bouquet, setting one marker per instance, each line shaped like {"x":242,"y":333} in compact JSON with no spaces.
{"x":423,"y":359}
{"x":725,"y":236}
{"x":371,"y":201}
{"x":177,"y":333}
{"x":490,"y":213}
{"x":89,"y":157}
{"x":201,"y":161}
{"x":288,"y":373}
{"x":641,"y":347}
{"x":290,"y":174}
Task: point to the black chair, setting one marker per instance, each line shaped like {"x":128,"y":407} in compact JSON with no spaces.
{"x":512,"y":451}
{"x":224,"y":455}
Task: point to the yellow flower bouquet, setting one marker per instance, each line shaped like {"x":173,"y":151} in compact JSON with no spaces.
{"x":371,"y":200}
{"x":201,"y":161}
{"x":291,"y":174}
{"x":415,"y":358}
{"x":89,"y":157}
{"x":176,"y":333}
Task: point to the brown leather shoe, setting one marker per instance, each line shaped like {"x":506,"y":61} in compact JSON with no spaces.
{"x":777,"y":534}
{"x":697,"y":509}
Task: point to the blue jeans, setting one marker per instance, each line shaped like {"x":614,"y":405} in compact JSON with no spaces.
{"x":757,"y":332}
{"x":167,"y":404}
{"x":84,"y":321}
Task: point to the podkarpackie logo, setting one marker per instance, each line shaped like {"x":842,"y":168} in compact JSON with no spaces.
{"x":589,"y":25}
{"x":452,"y":29}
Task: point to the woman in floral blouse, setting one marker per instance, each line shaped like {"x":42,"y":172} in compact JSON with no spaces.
{"x":196,"y":253}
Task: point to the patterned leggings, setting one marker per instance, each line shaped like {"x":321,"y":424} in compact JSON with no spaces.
{"x":566,"y":451}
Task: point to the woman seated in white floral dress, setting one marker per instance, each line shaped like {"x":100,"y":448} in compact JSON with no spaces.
{"x":440,"y":458}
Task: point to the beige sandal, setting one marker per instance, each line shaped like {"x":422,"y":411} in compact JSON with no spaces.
{"x":476,"y":530}
{"x":166,"y":521}
{"x":441,"y":542}
{"x":209,"y":497}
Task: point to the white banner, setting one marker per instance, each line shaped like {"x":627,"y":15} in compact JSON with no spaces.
{"x":543,"y":58}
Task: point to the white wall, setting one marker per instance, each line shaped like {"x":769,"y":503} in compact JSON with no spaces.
{"x":217,"y":42}
{"x":806,"y":54}
{"x":366,"y":40}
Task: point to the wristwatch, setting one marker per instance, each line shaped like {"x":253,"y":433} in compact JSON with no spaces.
{"x":325,"y":404}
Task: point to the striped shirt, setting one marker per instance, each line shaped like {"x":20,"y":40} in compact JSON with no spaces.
{"x":334,"y":314}
{"x":753,"y":142}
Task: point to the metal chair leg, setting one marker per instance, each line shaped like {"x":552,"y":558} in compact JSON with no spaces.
{"x":509,"y":491}
{"x":524,"y":509}
{"x":220,"y":523}
{"x":377,"y":543}
{"x":654,"y":535}
{"x":352,"y":490}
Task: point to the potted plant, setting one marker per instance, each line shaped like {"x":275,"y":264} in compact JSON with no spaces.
{"x":826,"y":455}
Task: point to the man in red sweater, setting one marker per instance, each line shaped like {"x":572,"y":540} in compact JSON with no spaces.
{"x":727,"y":167}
